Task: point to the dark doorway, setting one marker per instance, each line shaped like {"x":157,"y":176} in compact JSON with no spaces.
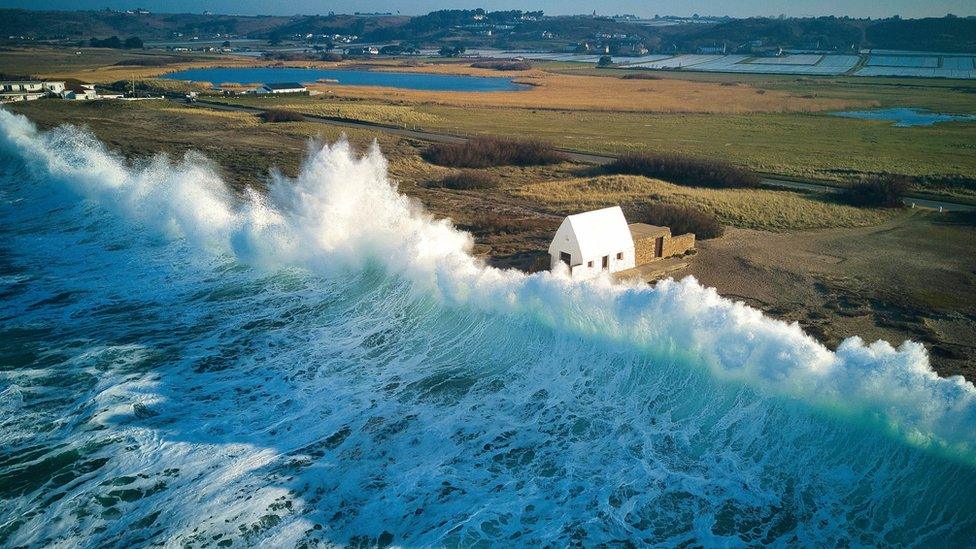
{"x":659,"y":247}
{"x":606,"y":262}
{"x":565,"y":258}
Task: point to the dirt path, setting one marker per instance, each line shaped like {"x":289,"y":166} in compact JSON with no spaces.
{"x":911,"y":278}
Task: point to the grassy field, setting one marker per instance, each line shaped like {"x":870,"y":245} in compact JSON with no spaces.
{"x":596,"y":93}
{"x":801,"y":145}
{"x":930,"y":93}
{"x":749,"y":208}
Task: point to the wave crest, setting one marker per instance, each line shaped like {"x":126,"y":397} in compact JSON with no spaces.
{"x":342,"y":213}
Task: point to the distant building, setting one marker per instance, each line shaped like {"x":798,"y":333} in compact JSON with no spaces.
{"x":364,"y":50}
{"x":28,"y":90}
{"x":599,"y":241}
{"x":79,"y":92}
{"x":712,"y":50}
{"x":278,"y":88}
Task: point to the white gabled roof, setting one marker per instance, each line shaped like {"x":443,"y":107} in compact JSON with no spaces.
{"x":598,"y":233}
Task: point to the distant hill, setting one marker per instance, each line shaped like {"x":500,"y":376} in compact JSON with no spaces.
{"x":83,"y":25}
{"x":942,"y":34}
{"x":509,"y":29}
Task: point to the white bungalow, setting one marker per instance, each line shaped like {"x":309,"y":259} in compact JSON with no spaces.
{"x":277,"y":88}
{"x":80,"y":92}
{"x":593,"y":242}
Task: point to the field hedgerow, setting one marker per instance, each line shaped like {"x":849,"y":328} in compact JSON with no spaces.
{"x":281,"y":115}
{"x":464,"y":180}
{"x":681,"y":219}
{"x":885,"y":191}
{"x":684,"y":170}
{"x":482,"y":152}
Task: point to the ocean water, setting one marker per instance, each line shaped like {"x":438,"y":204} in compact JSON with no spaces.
{"x":327,"y":364}
{"x":349,"y":77}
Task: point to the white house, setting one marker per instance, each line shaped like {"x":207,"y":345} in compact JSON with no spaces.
{"x":54,"y":87}
{"x":281,"y":87}
{"x":81,"y":92}
{"x":593,"y":242}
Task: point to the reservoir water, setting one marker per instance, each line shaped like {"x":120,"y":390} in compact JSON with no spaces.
{"x":904,"y":117}
{"x":327,"y":364}
{"x":413,"y":81}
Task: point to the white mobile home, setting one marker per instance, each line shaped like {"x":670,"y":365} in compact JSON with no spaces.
{"x":28,"y":90}
{"x":593,"y":242}
{"x":281,"y":88}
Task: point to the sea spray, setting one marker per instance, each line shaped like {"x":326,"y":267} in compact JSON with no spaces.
{"x":475,"y":381}
{"x":342,"y":211}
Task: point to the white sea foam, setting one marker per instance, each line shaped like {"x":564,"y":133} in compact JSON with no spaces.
{"x":342,"y":217}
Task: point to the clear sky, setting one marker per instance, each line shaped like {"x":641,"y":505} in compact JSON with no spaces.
{"x":735,"y":8}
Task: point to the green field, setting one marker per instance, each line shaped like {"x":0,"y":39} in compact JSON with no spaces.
{"x":803,"y":145}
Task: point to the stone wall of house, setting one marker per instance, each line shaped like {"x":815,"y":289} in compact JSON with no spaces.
{"x":678,"y":245}
{"x":644,"y":250}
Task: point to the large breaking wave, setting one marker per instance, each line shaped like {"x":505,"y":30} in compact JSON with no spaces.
{"x":326,"y":361}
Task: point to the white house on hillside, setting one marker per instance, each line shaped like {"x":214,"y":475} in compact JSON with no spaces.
{"x":592,"y":242}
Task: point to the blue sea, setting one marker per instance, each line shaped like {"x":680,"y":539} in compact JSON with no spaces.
{"x":326,"y":363}
{"x":349,"y":77}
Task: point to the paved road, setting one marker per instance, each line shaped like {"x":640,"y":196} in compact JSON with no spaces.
{"x":932,"y":203}
{"x":585,"y":158}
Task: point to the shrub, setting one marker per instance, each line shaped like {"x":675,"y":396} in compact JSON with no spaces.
{"x":503,"y":65}
{"x":681,"y":220}
{"x":604,"y":61}
{"x":157,"y":61}
{"x":481,"y":152}
{"x":493,"y":223}
{"x":159,"y":86}
{"x":884,"y":191}
{"x":281,"y":115}
{"x":331,"y":57}
{"x":467,"y":180}
{"x":684,"y":170}
{"x":640,"y":76}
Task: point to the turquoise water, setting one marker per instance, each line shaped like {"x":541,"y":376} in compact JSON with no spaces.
{"x":327,"y":364}
{"x":904,"y":118}
{"x":413,"y":81}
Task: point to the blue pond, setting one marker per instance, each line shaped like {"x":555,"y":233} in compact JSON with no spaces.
{"x":413,"y":81}
{"x":904,"y":118}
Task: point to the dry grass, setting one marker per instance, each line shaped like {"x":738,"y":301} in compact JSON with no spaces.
{"x":680,"y":219}
{"x":684,"y":170}
{"x":482,"y":152}
{"x":281,"y":115}
{"x":503,"y":65}
{"x":464,"y":180}
{"x":394,"y":115}
{"x":749,"y":208}
{"x":595,"y":93}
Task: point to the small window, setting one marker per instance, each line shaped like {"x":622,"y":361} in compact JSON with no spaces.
{"x":620,"y":255}
{"x":589,"y":264}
